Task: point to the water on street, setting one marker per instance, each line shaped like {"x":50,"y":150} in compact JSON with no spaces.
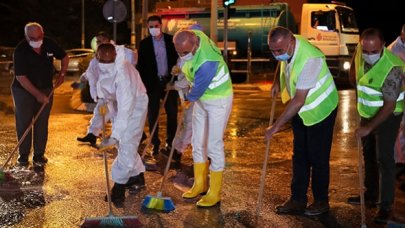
{"x":72,"y":185}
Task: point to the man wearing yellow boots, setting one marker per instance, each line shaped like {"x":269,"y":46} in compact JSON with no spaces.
{"x":211,"y":92}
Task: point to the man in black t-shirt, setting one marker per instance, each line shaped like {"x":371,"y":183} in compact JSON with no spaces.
{"x":31,"y":88}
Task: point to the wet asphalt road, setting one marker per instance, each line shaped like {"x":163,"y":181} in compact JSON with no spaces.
{"x":72,"y":185}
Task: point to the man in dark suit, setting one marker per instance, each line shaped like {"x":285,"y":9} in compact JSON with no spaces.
{"x":157,"y":56}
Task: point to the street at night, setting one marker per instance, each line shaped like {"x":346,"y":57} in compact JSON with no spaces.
{"x":71,"y":187}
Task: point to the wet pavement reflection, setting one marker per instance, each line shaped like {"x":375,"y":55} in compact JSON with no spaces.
{"x":72,"y":186}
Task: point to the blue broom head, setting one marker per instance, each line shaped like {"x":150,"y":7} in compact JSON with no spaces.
{"x":159,"y":203}
{"x":112,"y":221}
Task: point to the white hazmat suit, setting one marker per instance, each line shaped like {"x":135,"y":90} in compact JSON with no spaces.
{"x":121,"y":86}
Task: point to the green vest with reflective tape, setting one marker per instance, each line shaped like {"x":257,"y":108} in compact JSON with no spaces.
{"x":221,"y":84}
{"x":323,"y":98}
{"x":369,"y":94}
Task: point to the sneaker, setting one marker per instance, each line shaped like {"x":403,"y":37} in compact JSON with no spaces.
{"x":317,"y":208}
{"x":291,"y":207}
{"x":117,"y":195}
{"x":90,"y":138}
{"x":176,"y":154}
{"x":355,"y":200}
{"x":41,"y":161}
{"x":382,"y":216}
{"x":138,"y":180}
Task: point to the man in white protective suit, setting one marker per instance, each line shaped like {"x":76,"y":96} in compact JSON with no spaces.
{"x":91,"y":75}
{"x":120,"y":87}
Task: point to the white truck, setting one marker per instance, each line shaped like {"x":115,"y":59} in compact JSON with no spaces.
{"x":331,"y":27}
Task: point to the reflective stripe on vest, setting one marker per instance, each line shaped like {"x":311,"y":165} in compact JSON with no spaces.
{"x":320,"y":98}
{"x":219,"y":79}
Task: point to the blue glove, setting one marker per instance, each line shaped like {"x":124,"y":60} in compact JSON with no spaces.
{"x":108,"y":143}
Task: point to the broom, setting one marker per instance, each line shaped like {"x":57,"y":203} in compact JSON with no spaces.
{"x":159,"y":202}
{"x":5,"y":176}
{"x":110,"y":220}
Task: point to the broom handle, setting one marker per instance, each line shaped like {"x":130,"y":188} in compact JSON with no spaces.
{"x":169,"y":160}
{"x":266,"y":157}
{"x":361,"y":181}
{"x":157,"y":120}
{"x":27,"y":130}
{"x":107,"y":179}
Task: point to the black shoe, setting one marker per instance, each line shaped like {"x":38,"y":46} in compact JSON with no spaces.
{"x":22,"y":164}
{"x":117,"y":195}
{"x":382,"y":216}
{"x":291,"y":207}
{"x":176,"y":155}
{"x":355,"y":200}
{"x":138,"y":180}
{"x":41,"y":161}
{"x":317,"y":208}
{"x":90,"y":138}
{"x":155,"y":151}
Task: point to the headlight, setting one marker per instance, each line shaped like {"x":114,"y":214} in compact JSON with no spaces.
{"x":346,"y":65}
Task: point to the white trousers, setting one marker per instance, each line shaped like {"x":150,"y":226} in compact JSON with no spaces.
{"x":183,"y":139}
{"x":128,"y":163}
{"x":209,"y":122}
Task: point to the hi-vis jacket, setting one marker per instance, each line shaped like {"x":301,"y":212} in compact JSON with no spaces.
{"x":323,"y":98}
{"x":370,"y":97}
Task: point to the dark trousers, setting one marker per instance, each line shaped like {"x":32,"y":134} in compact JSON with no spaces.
{"x":312,"y":146}
{"x":379,"y":163}
{"x":26,"y":107}
{"x":171,"y":111}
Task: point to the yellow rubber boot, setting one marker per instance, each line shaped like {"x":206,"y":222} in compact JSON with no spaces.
{"x":213,"y":195}
{"x":200,"y":181}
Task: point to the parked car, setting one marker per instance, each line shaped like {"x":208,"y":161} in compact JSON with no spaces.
{"x":79,"y":59}
{"x":6,"y":59}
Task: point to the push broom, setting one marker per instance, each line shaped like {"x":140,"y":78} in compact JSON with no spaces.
{"x":110,"y":220}
{"x":5,"y":176}
{"x":159,"y":202}
{"x":149,"y":166}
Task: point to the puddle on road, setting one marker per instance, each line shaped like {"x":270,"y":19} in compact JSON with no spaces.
{"x":24,"y":191}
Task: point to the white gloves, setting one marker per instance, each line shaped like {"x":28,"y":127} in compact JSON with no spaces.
{"x":108,"y":143}
{"x":102,"y":101}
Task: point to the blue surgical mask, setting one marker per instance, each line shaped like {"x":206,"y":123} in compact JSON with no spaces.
{"x":283,"y":57}
{"x":371,"y":59}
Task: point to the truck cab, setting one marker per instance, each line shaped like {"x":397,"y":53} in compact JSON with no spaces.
{"x":333,"y":29}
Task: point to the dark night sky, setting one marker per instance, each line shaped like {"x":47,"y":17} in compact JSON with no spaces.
{"x":63,"y":22}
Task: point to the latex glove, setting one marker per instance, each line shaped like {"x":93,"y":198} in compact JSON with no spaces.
{"x":175,"y":70}
{"x":108,"y":142}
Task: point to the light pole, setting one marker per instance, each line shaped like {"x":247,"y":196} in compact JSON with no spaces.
{"x":83,"y":33}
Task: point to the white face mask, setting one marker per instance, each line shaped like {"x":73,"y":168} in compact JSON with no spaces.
{"x":187,"y":57}
{"x":371,"y":59}
{"x":154,"y":31}
{"x":35,"y":44}
{"x":107,"y":69}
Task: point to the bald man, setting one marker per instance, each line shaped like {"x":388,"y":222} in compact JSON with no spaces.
{"x":120,"y":87}
{"x":378,"y":76}
{"x":307,"y":85}
{"x":211,"y":92}
{"x":32,"y":85}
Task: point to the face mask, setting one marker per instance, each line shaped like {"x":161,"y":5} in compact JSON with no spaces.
{"x":35,"y":44}
{"x":107,"y":69}
{"x":371,"y":59}
{"x":283,"y":57}
{"x":187,"y":57}
{"x":154,"y":31}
